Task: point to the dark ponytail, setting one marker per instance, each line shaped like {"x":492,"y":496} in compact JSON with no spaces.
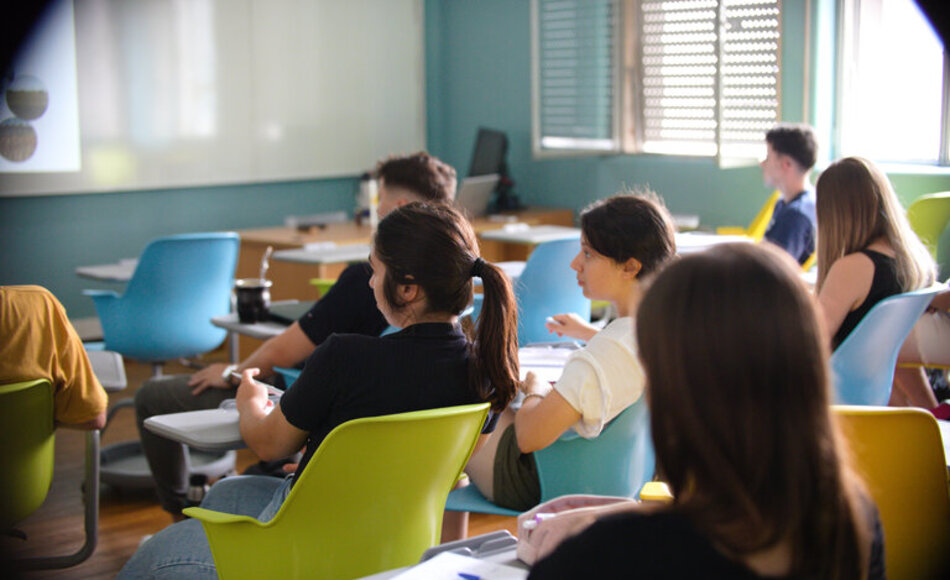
{"x":495,"y":348}
{"x":434,"y":247}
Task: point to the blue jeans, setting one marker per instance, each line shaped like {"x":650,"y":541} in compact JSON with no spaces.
{"x":182,"y":551}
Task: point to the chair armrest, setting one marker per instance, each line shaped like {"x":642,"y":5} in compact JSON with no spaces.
{"x":215,"y":517}
{"x":100,"y":294}
{"x":731,"y":231}
{"x":656,"y":491}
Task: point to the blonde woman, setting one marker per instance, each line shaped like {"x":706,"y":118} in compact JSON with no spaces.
{"x":867,"y":252}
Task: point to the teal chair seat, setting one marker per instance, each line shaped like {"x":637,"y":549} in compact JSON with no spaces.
{"x":617,"y":462}
{"x":863,"y":365}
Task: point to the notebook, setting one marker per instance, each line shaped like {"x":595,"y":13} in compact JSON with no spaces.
{"x":475,"y":193}
{"x":288,"y":312}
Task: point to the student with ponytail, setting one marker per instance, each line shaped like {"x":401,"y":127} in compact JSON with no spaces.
{"x":423,"y":261}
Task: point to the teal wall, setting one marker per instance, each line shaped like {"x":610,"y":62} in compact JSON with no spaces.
{"x":478,"y":63}
{"x":43,"y":239}
{"x":481,"y":66}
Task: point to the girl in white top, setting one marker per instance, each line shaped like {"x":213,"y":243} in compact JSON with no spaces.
{"x":624,"y":239}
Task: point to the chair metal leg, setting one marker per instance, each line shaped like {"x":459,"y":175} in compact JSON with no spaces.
{"x":91,"y":517}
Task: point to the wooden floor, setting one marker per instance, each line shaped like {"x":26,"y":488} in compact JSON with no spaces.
{"x":124,"y":517}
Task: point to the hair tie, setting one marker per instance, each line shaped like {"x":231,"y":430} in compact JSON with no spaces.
{"x":478,"y":267}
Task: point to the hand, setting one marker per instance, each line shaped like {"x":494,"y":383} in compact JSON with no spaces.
{"x":250,"y":392}
{"x":574,"y":513}
{"x":531,"y":385}
{"x":570,"y":325}
{"x":209,"y":377}
{"x":290,"y":467}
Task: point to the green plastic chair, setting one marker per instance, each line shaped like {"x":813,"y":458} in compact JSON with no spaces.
{"x":928,"y":216}
{"x":26,"y":466}
{"x":370,"y":499}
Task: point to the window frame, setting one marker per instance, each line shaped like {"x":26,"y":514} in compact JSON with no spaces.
{"x":627,"y":106}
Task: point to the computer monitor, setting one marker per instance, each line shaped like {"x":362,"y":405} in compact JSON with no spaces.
{"x":491,"y":148}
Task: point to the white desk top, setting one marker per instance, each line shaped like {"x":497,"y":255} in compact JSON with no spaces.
{"x":258,"y":330}
{"x":108,"y":368}
{"x":689,"y":242}
{"x":324,"y":253}
{"x":210,"y":429}
{"x":121,"y":271}
{"x":520,"y":233}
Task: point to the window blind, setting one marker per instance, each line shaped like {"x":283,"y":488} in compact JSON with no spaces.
{"x":709,"y":76}
{"x":575,"y":75}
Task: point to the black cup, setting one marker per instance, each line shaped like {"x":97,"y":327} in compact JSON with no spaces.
{"x":253,"y":299}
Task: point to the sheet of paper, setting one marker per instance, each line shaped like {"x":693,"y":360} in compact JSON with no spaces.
{"x":449,"y":566}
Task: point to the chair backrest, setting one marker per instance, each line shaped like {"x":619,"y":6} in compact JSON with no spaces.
{"x":899,"y":453}
{"x":370,"y":499}
{"x":863,"y":365}
{"x":180,"y":283}
{"x":617,"y":462}
{"x":26,"y":456}
{"x":760,"y":222}
{"x":928,"y":216}
{"x":548,"y":286}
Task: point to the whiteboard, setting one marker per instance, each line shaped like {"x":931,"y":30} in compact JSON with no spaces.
{"x":179,"y":93}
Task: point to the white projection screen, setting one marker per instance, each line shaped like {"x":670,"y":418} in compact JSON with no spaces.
{"x":175,"y":93}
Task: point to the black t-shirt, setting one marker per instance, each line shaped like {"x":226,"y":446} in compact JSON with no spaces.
{"x":424,"y":366}
{"x":659,"y":545}
{"x":348,"y":307}
{"x":884,"y":284}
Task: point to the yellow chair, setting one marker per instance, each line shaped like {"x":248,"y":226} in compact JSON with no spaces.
{"x":370,"y":499}
{"x":928,"y":216}
{"x":900,"y":454}
{"x":810,"y":262}
{"x":26,"y":466}
{"x":759,"y":224}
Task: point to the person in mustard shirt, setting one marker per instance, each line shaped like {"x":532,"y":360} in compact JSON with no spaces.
{"x":38,"y":341}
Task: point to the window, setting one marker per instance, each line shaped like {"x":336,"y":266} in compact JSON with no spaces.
{"x":575,"y":77}
{"x":892,"y":84}
{"x":696,"y":77}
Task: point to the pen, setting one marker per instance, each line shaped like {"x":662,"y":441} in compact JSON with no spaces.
{"x":466,"y":576}
{"x":537,"y":519}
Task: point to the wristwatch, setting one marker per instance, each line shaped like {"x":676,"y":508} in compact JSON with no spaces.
{"x":226,"y":375}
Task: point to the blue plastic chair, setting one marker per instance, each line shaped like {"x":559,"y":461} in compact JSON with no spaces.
{"x":180,"y":283}
{"x":547,"y":286}
{"x":863,"y":365}
{"x":617,"y":462}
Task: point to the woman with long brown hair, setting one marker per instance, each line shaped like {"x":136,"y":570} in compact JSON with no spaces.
{"x":866,"y":253}
{"x":738,"y":391}
{"x":423,"y":259}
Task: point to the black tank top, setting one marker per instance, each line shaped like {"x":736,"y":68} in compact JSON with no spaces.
{"x":883,"y":284}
